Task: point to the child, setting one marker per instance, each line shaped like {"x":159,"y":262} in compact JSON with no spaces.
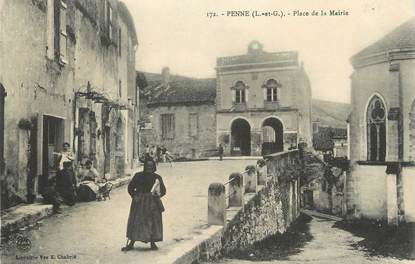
{"x":51,"y":196}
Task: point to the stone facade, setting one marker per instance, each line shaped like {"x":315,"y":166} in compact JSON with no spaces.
{"x":263,"y":102}
{"x":381,"y":128}
{"x":70,"y":77}
{"x":183,"y":143}
{"x":179,"y":113}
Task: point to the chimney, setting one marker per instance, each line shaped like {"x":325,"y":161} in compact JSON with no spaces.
{"x":165,"y":74}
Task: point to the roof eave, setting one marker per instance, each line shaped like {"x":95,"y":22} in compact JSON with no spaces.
{"x":360,"y":61}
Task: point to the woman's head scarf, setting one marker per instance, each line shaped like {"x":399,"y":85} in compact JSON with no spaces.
{"x":149,"y":165}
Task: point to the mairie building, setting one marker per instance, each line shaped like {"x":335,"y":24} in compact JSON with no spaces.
{"x":263,"y":102}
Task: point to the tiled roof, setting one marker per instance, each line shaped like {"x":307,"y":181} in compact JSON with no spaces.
{"x":402,"y":37}
{"x":179,"y":90}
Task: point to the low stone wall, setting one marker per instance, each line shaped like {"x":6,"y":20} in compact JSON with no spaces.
{"x":264,"y":213}
{"x":261,"y":217}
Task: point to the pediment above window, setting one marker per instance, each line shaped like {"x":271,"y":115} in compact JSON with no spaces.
{"x":271,"y":83}
{"x":239,"y":85}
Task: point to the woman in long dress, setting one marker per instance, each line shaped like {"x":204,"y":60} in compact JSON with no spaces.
{"x":90,"y":182}
{"x":145,"y":219}
{"x":66,"y":184}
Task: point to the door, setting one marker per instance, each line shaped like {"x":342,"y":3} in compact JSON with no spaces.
{"x":23,"y":162}
{"x":51,"y":144}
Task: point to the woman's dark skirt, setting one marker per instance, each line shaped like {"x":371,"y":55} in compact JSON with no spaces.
{"x":86,"y":194}
{"x":145,"y":221}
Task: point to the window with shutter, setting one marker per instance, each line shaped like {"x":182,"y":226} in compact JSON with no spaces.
{"x":193,"y":124}
{"x":240,"y":92}
{"x":60,"y":35}
{"x":271,"y":87}
{"x":167,"y":126}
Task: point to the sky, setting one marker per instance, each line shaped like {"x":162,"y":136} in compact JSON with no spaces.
{"x":180,"y":35}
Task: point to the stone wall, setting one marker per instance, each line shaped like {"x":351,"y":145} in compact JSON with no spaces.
{"x":269,"y":212}
{"x":265,"y":213}
{"x":42,"y":87}
{"x":184,"y":145}
{"x":372,"y":192}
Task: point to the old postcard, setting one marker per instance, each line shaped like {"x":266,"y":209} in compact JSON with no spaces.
{"x":208,"y":131}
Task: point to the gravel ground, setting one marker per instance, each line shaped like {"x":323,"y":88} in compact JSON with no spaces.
{"x":314,"y":241}
{"x":94,"y":232}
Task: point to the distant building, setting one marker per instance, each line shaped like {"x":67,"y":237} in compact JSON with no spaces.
{"x":69,"y":77}
{"x":179,"y":113}
{"x":263,"y":102}
{"x":330,"y":140}
{"x":329,"y":122}
{"x":381,"y":182}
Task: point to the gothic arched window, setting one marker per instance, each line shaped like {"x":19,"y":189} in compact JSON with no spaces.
{"x":271,"y":90}
{"x":376,"y":130}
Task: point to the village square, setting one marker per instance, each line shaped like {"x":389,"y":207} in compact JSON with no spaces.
{"x":111,"y":153}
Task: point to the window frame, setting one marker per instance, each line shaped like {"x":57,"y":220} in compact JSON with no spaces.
{"x":378,"y":124}
{"x":119,"y":88}
{"x":271,"y":92}
{"x":109,"y":21}
{"x":167,"y":130}
{"x":60,"y":36}
{"x":119,"y":42}
{"x":240,"y":94}
{"x":196,"y":126}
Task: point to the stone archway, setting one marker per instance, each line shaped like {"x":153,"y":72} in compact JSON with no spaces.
{"x":240,"y":138}
{"x":272,"y":136}
{"x":412,"y":132}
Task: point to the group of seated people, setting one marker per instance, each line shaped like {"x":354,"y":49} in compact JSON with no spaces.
{"x":69,"y":186}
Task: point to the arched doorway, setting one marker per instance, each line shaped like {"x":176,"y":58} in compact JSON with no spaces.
{"x":272,"y":136}
{"x":241,"y":138}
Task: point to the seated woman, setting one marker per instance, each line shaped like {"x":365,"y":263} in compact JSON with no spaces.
{"x":66,"y":184}
{"x":89,"y":183}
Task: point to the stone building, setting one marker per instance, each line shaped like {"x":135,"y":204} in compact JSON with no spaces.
{"x":263,"y":102}
{"x":381,"y":181}
{"x":179,"y":113}
{"x":69,"y":77}
{"x":329,"y":122}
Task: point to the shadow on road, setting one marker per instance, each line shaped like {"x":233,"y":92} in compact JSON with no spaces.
{"x":279,"y":247}
{"x":381,"y":239}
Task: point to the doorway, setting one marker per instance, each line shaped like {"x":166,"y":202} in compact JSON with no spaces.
{"x":53,"y":137}
{"x":241,"y":138}
{"x":272,"y":136}
{"x":120,"y":150}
